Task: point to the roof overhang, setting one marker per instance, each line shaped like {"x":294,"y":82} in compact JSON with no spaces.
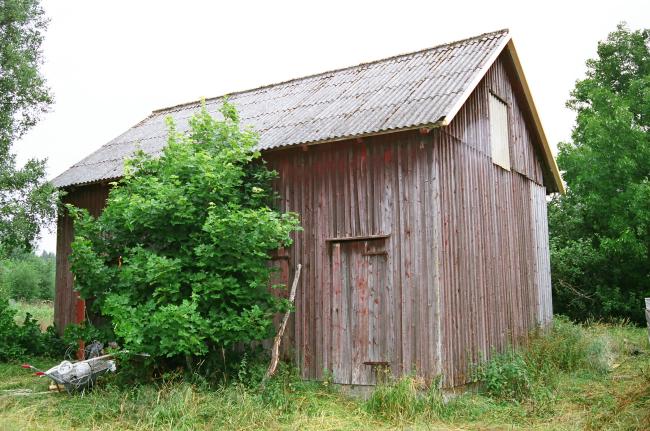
{"x":106,"y":162}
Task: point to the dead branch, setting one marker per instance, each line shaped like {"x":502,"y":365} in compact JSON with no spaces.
{"x":275,"y":351}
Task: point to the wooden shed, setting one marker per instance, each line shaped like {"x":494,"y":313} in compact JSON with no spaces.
{"x":421,"y":184}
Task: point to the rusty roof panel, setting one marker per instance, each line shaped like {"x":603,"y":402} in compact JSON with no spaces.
{"x":409,"y":90}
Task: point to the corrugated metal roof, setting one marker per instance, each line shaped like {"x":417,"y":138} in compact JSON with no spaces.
{"x":405,"y":91}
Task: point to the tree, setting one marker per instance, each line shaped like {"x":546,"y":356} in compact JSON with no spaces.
{"x":26,"y":199}
{"x":26,"y":276}
{"x":178,"y":260}
{"x":600,"y":230}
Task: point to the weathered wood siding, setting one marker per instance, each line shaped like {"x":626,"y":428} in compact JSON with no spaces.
{"x":467,"y":267}
{"x":542,"y":255}
{"x":369,"y":287}
{"x":495,"y":276}
{"x":93,"y":198}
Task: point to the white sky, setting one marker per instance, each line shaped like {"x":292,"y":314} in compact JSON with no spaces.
{"x":111,"y":63}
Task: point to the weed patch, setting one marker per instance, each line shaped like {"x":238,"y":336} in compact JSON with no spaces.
{"x":398,"y":400}
{"x":582,"y":395}
{"x":531,"y":373}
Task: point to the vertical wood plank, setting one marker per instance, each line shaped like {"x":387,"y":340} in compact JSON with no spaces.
{"x":338,"y":323}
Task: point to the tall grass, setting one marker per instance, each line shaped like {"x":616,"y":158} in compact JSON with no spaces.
{"x":43,"y":311}
{"x":524,"y":377}
{"x":398,"y":400}
{"x":567,"y":347}
{"x":532,"y":371}
{"x":578,"y":377}
{"x":176,"y":404}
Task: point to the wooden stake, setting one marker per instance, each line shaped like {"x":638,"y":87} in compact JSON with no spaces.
{"x":275,"y":351}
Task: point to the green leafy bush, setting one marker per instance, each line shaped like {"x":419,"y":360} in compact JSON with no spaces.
{"x":88,"y":333}
{"x":507,"y":376}
{"x":18,"y":341}
{"x":178,"y":260}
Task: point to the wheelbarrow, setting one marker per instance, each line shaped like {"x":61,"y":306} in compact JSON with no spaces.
{"x":77,"y":376}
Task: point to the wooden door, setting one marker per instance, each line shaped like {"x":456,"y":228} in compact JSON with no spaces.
{"x":359,"y":310}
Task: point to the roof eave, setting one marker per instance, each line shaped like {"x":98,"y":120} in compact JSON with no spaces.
{"x":428,"y":126}
{"x":552,"y":164}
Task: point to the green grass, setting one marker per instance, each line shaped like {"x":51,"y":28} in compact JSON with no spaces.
{"x":43,"y":311}
{"x":608,"y":391}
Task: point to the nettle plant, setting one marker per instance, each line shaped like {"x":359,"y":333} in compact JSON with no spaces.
{"x":178,"y":260}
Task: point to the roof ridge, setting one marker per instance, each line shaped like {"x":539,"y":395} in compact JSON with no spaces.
{"x":443,"y":45}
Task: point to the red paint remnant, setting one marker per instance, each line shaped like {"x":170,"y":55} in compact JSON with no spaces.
{"x":80,"y":311}
{"x":388,"y":155}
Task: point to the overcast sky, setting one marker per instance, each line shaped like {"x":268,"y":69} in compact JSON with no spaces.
{"x":111,"y":63}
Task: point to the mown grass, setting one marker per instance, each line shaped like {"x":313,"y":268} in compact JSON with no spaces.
{"x":590,"y":378}
{"x":43,"y":311}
